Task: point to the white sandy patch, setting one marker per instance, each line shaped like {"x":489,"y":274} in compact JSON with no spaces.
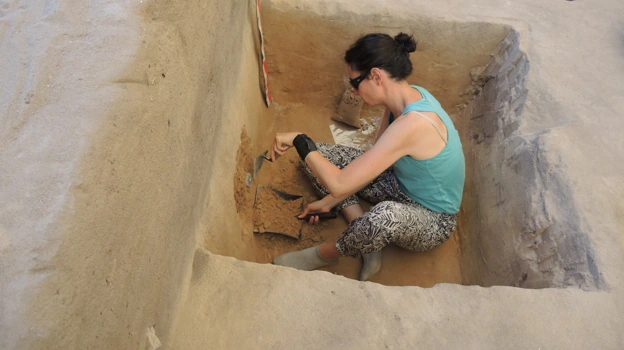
{"x":362,"y":138}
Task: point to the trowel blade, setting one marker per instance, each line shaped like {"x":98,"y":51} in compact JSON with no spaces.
{"x":259,"y":161}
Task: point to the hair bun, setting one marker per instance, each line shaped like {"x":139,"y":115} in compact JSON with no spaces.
{"x":406,"y":42}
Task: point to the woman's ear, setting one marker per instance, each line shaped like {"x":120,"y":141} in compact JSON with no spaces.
{"x":376,"y":75}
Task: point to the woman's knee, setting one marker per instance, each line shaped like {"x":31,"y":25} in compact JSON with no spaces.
{"x":387,"y":214}
{"x":384,"y":207}
{"x":325,"y":149}
{"x":363,"y":235}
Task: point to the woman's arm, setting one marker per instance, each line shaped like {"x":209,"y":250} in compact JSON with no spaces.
{"x":392,"y":145}
{"x":384,"y":124}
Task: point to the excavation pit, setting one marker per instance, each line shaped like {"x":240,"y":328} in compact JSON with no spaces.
{"x":120,"y":143}
{"x":477,"y":71}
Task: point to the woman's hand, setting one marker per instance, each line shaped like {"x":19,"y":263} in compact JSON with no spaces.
{"x":282,"y":142}
{"x":321,"y":206}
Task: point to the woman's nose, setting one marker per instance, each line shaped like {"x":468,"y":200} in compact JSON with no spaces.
{"x":356,"y":92}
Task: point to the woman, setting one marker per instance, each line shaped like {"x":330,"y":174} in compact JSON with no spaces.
{"x":414,"y":174}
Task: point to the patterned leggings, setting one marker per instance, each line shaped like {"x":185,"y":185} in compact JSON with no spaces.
{"x":395,"y":218}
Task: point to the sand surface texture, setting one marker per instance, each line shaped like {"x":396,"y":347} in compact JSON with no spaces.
{"x":274,"y":214}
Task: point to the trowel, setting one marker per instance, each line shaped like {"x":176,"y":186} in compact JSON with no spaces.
{"x":260,"y":160}
{"x":321,"y":216}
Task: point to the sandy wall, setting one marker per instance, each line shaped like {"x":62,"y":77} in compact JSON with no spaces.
{"x":125,"y":115}
{"x":305,"y":50}
{"x":520,"y":224}
{"x":285,"y":308}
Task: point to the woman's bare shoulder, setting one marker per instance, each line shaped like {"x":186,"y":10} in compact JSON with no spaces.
{"x":413,"y":121}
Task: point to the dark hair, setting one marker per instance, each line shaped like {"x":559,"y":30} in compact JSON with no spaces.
{"x":382,"y":51}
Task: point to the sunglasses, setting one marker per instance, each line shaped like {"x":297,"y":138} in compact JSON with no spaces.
{"x":355,"y":82}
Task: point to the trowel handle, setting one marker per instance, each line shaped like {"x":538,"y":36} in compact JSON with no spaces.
{"x":269,"y":158}
{"x":322,"y":216}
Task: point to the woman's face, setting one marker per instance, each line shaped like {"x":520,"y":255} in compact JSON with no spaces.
{"x":366,"y":89}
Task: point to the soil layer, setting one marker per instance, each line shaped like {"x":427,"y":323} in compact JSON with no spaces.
{"x":273,"y":214}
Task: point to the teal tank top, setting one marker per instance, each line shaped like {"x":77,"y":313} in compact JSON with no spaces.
{"x":436,"y":183}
